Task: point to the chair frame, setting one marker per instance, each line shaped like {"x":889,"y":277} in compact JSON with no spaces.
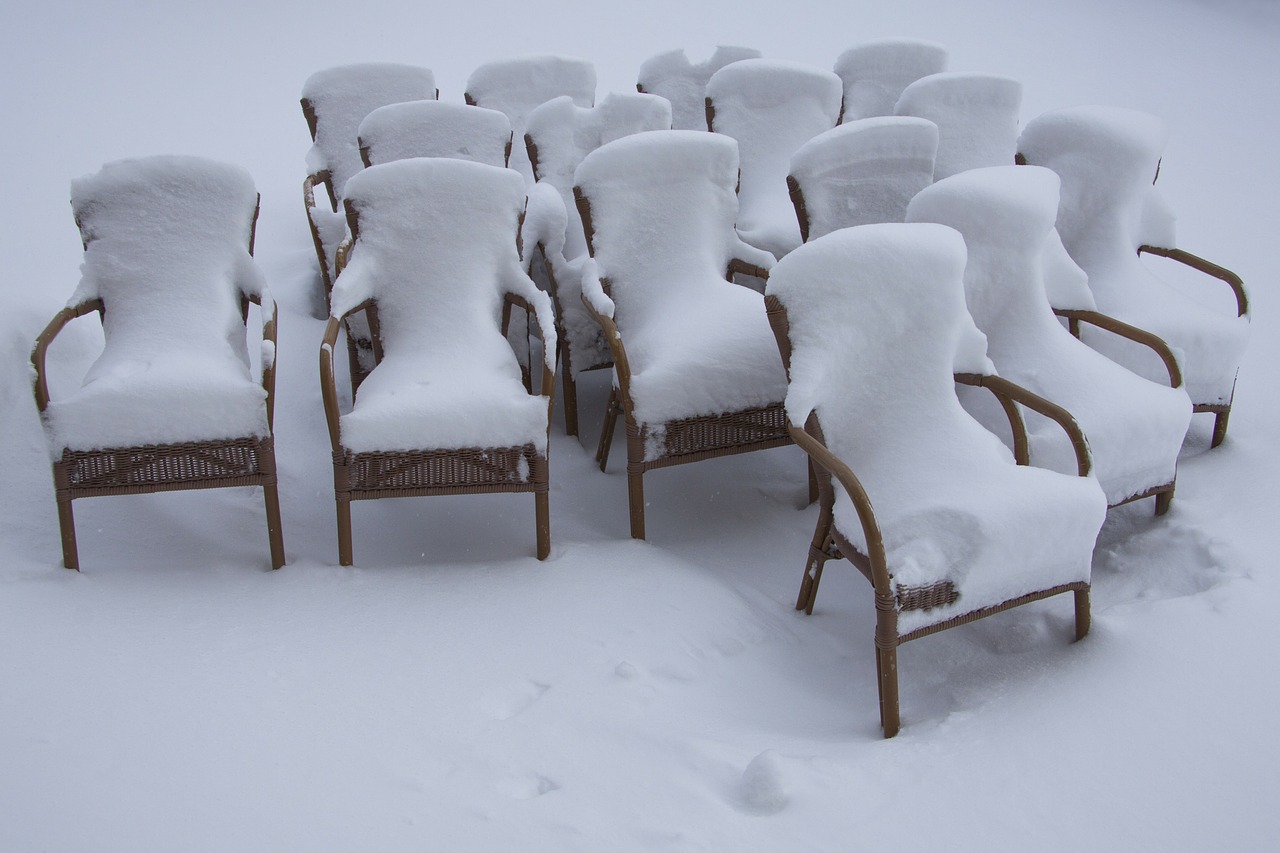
{"x":829,"y":544}
{"x":143,"y":469}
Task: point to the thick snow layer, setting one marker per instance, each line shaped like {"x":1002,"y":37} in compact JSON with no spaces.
{"x":672,"y":76}
{"x":976,"y":115}
{"x":433,"y":128}
{"x":437,"y":250}
{"x":876,"y":365}
{"x":874,"y":74}
{"x":1134,"y":427}
{"x":342,"y":97}
{"x":662,"y":209}
{"x":1108,"y":159}
{"x":865,"y":171}
{"x":771,"y":107}
{"x":166,"y":251}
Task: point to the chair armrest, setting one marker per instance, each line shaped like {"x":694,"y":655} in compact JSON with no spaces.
{"x":1124,"y":330}
{"x":269,"y":350}
{"x":328,"y":386}
{"x":621,"y":364}
{"x":546,"y":320}
{"x":737,"y":266}
{"x":1208,"y":268}
{"x":61,"y":319}
{"x":309,"y":190}
{"x":1009,"y":393}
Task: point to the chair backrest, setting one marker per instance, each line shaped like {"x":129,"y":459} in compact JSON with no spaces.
{"x":336,"y":100}
{"x":661,"y":208}
{"x":559,"y":135}
{"x":167,"y":250}
{"x":771,"y":108}
{"x":434,"y":129}
{"x":862,"y":173}
{"x":434,"y":245}
{"x":684,"y":84}
{"x":874,"y":74}
{"x":976,"y":115}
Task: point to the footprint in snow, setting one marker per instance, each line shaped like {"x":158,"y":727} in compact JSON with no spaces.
{"x":514,"y":699}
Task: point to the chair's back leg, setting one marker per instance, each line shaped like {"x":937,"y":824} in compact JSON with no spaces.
{"x":67,"y":525}
{"x":1083,"y":618}
{"x":1220,"y":427}
{"x":570,"y":403}
{"x":611,"y":410}
{"x":817,"y":560}
{"x":1163,"y":500}
{"x":275,"y":533}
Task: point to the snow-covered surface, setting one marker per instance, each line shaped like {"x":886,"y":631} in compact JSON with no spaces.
{"x":453,"y":695}
{"x":771,"y":107}
{"x":684,"y":83}
{"x":167,"y":252}
{"x":976,"y":115}
{"x":864,"y":171}
{"x":662,"y":210}
{"x":875,"y":364}
{"x":1134,"y":426}
{"x":437,"y":252}
{"x":874,"y":74}
{"x":433,"y":128}
{"x":1107,"y":158}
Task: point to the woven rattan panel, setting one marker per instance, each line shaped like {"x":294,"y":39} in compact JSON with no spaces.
{"x":384,"y":474}
{"x":926,"y":597}
{"x":161,"y":467}
{"x":719,"y":435}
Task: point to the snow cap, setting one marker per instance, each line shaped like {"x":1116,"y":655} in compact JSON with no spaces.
{"x":874,"y":74}
{"x":672,"y":76}
{"x":976,"y":115}
{"x":435,"y":129}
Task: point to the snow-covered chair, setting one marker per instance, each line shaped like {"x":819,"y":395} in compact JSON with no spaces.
{"x":434,"y":262}
{"x":696,"y":371}
{"x":558,"y":136}
{"x":434,"y":129}
{"x":334,"y":102}
{"x":170,"y":404}
{"x":771,"y":108}
{"x":515,"y":87}
{"x":1134,"y":427}
{"x":672,"y":76}
{"x":914,"y":492}
{"x":861,"y":173}
{"x":874,"y":74}
{"x":976,"y":115}
{"x":1110,"y":213}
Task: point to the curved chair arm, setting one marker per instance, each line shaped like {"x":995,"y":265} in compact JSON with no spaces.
{"x":61,"y":319}
{"x":621,"y":365}
{"x":510,"y":299}
{"x":328,"y":387}
{"x":1124,"y":330}
{"x":827,"y":460}
{"x":1010,"y":392}
{"x":268,"y":306}
{"x":1208,"y":268}
{"x":309,"y":189}
{"x":737,"y":266}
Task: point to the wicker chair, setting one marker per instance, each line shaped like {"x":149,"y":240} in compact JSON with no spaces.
{"x":559,"y":135}
{"x":672,"y":76}
{"x":334,"y":101}
{"x":695,"y":369}
{"x":1110,"y":214}
{"x":976,"y":115}
{"x":434,"y":261}
{"x":434,"y":129}
{"x":874,"y":74}
{"x":1135,"y":427}
{"x":170,"y":403}
{"x":913,"y":492}
{"x":861,"y":173}
{"x":771,"y":108}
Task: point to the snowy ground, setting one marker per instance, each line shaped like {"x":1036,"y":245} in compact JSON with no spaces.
{"x":450,"y":692}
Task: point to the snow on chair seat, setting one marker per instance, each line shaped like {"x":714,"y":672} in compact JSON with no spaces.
{"x":976,"y":115}
{"x":434,"y":129}
{"x":771,"y":108}
{"x":672,"y":76}
{"x":861,"y":173}
{"x":874,"y":74}
{"x":1135,"y":427}
{"x":696,"y":370}
{"x":915,"y":492}
{"x":434,"y":261}
{"x":170,"y":403}
{"x":1110,"y":213}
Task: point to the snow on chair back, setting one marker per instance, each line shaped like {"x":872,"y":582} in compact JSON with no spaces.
{"x":861,"y":173}
{"x":874,"y":74}
{"x":434,"y":129}
{"x":976,"y":115}
{"x":672,"y":76}
{"x":1110,"y":211}
{"x":1135,"y":427}
{"x":771,"y":108}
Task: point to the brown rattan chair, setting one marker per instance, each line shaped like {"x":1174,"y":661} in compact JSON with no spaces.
{"x":672,"y":76}
{"x":976,"y":115}
{"x":875,"y":73}
{"x":913,"y":492}
{"x":696,"y":372}
{"x":435,"y":263}
{"x":170,"y":403}
{"x":434,"y":129}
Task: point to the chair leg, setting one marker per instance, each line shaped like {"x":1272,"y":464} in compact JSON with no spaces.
{"x":570,"y":404}
{"x":1083,"y":619}
{"x":887,"y":678}
{"x":813,"y":480}
{"x":607,"y":428}
{"x":1220,"y":427}
{"x":344,"y":533}
{"x":814,"y":565}
{"x":275,"y":532}
{"x":635,"y":500}
{"x":542,"y":514}
{"x":1163,"y":500}
{"x":67,"y":526}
